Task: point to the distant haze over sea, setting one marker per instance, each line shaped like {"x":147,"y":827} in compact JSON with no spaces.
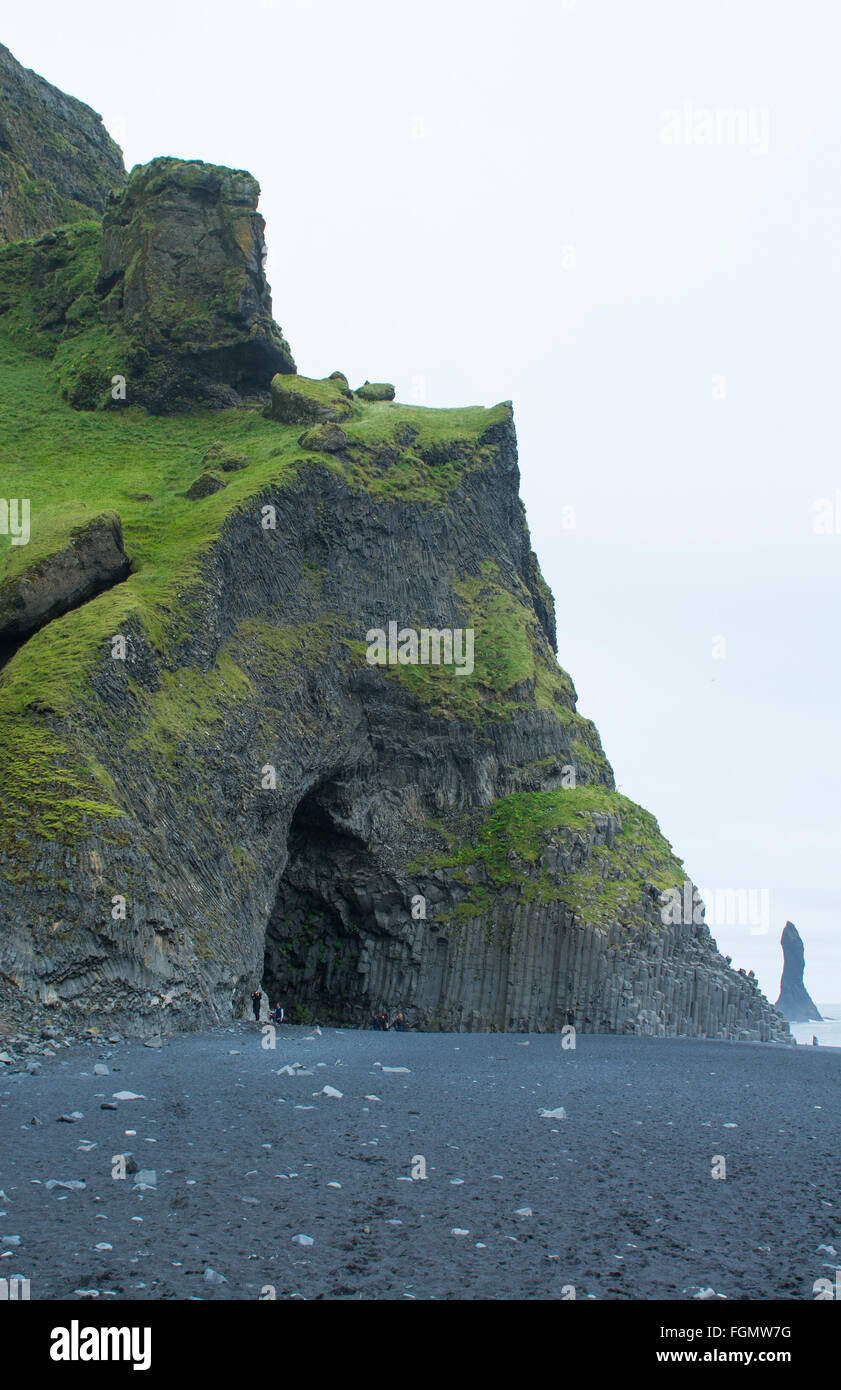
{"x":827,"y":1033}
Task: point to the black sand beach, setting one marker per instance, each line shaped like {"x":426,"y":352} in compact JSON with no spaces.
{"x":616,"y":1200}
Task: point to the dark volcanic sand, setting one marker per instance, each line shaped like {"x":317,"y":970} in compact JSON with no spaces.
{"x":623,"y":1204}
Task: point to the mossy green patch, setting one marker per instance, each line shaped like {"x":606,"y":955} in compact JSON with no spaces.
{"x":303,"y":400}
{"x":513,"y":667}
{"x":51,"y":791}
{"x":187,"y":702}
{"x":518,"y":828}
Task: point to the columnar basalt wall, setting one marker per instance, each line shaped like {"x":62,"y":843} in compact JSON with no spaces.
{"x":310,"y":884}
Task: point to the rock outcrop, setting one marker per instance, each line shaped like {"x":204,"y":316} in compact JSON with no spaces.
{"x":57,"y":161}
{"x":297,"y":400}
{"x":182,"y":275}
{"x":163,"y":304}
{"x":33,"y":591}
{"x":794,"y":1003}
{"x":332,"y":750}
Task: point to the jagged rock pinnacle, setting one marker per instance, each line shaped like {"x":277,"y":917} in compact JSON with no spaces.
{"x":794,"y":1002}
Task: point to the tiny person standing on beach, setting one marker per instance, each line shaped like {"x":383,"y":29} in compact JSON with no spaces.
{"x":256,"y":1002}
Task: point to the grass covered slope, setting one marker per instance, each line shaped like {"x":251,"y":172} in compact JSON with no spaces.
{"x":73,"y":465}
{"x":176,"y":481}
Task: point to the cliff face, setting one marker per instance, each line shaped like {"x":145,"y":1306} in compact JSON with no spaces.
{"x":57,"y":161}
{"x":240,"y":760}
{"x":794,"y":1002}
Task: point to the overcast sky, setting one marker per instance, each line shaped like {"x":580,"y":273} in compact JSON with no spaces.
{"x":548,"y":202}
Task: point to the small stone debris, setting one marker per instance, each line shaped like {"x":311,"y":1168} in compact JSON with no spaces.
{"x":10,"y":1240}
{"x":100,"y":1069}
{"x":147,"y":1178}
{"x":212,"y":1277}
{"x":71,"y":1118}
{"x":396,"y":1069}
{"x":524,"y":1211}
{"x":302,"y":1240}
{"x":125,"y":1095}
{"x":459,"y":1231}
{"x":155,"y":1041}
{"x":330,"y":1091}
{"x":107,"y":1105}
{"x":559,"y":1114}
{"x":103,"y":1245}
{"x":75,"y":1185}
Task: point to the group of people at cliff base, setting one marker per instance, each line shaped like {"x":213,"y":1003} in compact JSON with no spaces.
{"x":275,"y":1014}
{"x":381,"y":1023}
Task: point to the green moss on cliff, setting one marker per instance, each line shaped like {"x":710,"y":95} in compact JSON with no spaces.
{"x":518,"y":830}
{"x":52,"y":531}
{"x":187,"y":703}
{"x":514,"y":669}
{"x":73,"y":465}
{"x":51,"y":791}
{"x":304,"y":400}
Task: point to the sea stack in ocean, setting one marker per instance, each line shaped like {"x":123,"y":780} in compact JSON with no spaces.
{"x":794,"y":1002}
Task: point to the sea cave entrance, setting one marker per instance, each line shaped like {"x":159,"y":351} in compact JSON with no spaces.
{"x":316,"y":932}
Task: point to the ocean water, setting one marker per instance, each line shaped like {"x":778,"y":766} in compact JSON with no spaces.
{"x":827,"y":1033}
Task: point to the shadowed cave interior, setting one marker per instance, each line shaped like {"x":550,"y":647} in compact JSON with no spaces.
{"x":327,"y":957}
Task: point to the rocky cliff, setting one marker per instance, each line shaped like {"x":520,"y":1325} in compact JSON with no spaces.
{"x":314,"y":732}
{"x":57,"y":161}
{"x":794,"y":1002}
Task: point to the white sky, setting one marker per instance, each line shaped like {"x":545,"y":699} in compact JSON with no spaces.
{"x":425,"y":170}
